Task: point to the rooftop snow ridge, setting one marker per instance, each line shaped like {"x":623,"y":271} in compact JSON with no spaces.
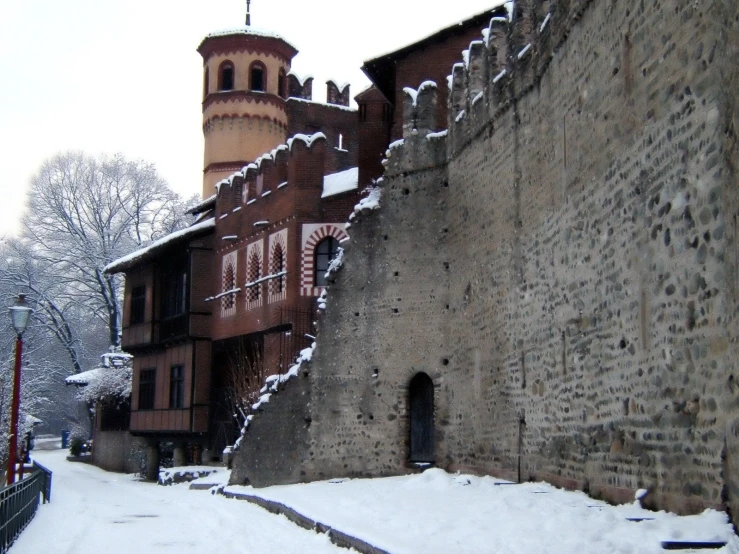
{"x":245,"y":30}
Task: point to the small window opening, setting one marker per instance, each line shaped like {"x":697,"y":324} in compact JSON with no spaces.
{"x":147,"y":383}
{"x":341,"y":141}
{"x":226,"y":80}
{"x":256,"y":77}
{"x":278,"y":266}
{"x":325,"y":252}
{"x":138,"y":305}
{"x":281,"y":84}
{"x":206,"y":84}
{"x":255,"y":273}
{"x":177,"y":387}
{"x":363,"y":112}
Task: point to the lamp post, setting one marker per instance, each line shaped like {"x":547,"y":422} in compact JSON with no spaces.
{"x":19,"y":315}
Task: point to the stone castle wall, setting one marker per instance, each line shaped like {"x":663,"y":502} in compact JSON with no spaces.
{"x":562,"y":264}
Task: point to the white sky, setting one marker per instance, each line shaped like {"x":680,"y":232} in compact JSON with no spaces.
{"x":105,"y":77}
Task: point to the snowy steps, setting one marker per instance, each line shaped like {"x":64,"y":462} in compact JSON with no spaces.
{"x":337,"y":537}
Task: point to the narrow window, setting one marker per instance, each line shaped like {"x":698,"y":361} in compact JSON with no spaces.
{"x":281,"y":84}
{"x":257,"y":74}
{"x":176,"y":387}
{"x":138,"y":305}
{"x":421,"y":399}
{"x":278,"y":266}
{"x":255,"y":273}
{"x":229,"y":283}
{"x":325,"y":252}
{"x":363,"y":112}
{"x":226,"y":76}
{"x":147,"y":388}
{"x":206,"y":83}
{"x":341,"y":141}
{"x":174,"y":291}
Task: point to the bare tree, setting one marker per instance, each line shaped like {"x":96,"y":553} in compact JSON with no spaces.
{"x":245,"y":377}
{"x":83,"y":213}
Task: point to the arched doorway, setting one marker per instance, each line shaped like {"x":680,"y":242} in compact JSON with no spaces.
{"x":421,"y":399}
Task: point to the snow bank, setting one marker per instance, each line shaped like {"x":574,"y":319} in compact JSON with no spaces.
{"x":171,"y":475}
{"x":435,"y":511}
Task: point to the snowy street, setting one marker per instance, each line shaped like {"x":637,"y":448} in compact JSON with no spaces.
{"x":93,"y":511}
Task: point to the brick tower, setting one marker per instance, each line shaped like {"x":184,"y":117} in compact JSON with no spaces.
{"x":244,"y":92}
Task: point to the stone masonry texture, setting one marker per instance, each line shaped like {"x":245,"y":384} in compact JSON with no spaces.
{"x":563,"y":265}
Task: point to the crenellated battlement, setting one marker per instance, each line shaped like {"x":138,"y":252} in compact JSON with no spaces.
{"x":508,"y":61}
{"x":271,"y":173}
{"x":298,"y":87}
{"x":422,"y":146}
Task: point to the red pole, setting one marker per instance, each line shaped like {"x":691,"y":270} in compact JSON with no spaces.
{"x":12,"y":454}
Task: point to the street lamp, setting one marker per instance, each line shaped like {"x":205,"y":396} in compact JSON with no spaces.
{"x":19,"y":315}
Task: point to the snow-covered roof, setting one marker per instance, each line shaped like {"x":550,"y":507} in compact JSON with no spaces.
{"x":203,"y":205}
{"x":246,"y":30}
{"x":85,"y":377}
{"x":343,"y":181}
{"x":121,"y":264}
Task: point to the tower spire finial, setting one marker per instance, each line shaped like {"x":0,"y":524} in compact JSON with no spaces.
{"x":248,"y":13}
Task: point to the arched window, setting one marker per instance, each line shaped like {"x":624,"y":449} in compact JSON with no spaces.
{"x":255,"y":273}
{"x":325,"y":252}
{"x":257,"y":77}
{"x":226,"y":76}
{"x":278,"y":266}
{"x":229,"y":283}
{"x":206,"y":84}
{"x":281,"y":84}
{"x":421,"y":400}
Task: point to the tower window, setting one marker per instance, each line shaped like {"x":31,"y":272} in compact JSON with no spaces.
{"x":281,"y":84}
{"x":206,"y":84}
{"x":257,"y":77}
{"x":325,"y":252}
{"x":226,"y":76}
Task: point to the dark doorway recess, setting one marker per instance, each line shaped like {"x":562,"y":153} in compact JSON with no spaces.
{"x":421,"y":394}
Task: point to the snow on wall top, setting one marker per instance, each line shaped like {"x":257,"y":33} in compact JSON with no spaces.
{"x":338,"y":106}
{"x":343,"y":181}
{"x":413,"y":93}
{"x":121,"y":264}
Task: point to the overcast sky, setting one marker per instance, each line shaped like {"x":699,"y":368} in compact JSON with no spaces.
{"x":105,"y":77}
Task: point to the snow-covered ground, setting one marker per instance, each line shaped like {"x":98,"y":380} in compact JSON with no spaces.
{"x":93,"y":511}
{"x":435,"y":512}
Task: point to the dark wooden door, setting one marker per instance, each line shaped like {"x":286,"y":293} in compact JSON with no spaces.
{"x":421,"y":393}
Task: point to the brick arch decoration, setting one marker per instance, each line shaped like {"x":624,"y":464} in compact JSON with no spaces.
{"x":228,"y":282}
{"x":322,"y":231}
{"x":277,"y":247}
{"x":254,"y":271}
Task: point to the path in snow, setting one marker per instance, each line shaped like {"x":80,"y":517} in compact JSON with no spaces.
{"x":94,"y":511}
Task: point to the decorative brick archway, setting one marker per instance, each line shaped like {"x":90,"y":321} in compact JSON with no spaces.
{"x":312,"y":235}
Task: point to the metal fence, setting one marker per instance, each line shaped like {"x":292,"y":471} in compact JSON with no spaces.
{"x":19,"y":502}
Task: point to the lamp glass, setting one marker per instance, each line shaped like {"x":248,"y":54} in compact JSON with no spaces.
{"x":19,"y":314}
